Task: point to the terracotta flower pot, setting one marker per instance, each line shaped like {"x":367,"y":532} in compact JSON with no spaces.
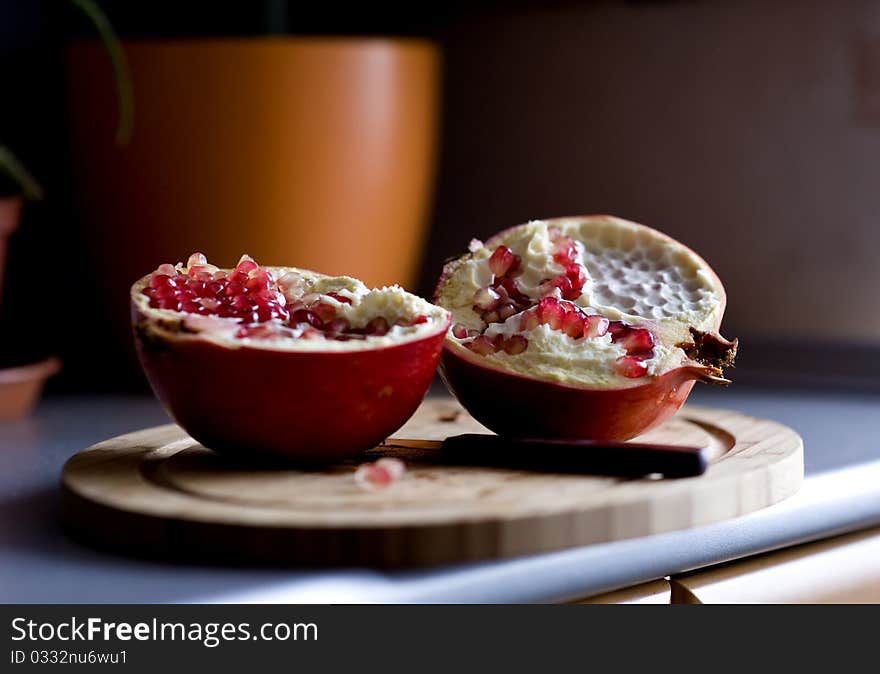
{"x":19,"y":386}
{"x":313,"y":152}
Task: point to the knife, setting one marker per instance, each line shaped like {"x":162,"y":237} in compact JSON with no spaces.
{"x":624,"y":459}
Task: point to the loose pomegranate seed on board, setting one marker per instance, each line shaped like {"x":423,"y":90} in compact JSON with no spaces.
{"x":379,"y":475}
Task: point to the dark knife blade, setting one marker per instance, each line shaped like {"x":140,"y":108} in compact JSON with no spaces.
{"x":590,"y":457}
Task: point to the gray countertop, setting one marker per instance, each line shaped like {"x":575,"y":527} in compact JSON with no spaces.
{"x":38,"y":563}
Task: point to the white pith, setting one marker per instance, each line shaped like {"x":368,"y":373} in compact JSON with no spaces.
{"x":391,"y":302}
{"x":635,"y":274}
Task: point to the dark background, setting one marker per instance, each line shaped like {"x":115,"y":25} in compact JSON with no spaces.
{"x":749,"y":130}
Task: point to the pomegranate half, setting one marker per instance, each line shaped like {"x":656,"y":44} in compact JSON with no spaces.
{"x":283,"y":361}
{"x":580,"y":327}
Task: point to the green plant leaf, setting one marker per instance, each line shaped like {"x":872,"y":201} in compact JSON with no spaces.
{"x":12,"y":167}
{"x":121,"y":71}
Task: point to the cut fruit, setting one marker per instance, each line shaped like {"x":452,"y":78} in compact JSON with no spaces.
{"x":283,"y":361}
{"x":618,"y":321}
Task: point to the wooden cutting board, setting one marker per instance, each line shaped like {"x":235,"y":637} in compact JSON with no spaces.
{"x":158,"y":492}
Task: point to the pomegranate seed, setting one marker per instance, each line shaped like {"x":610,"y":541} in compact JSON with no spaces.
{"x":338,"y":325}
{"x":192,"y":308}
{"x":237,"y":278}
{"x":163,"y":292}
{"x":569,"y":284}
{"x":595,"y":326}
{"x":245,"y":264}
{"x":325,"y":312}
{"x":573,"y":325}
{"x":565,"y":253}
{"x":196,"y":259}
{"x":379,"y":475}
{"x":630,"y":367}
{"x":306,"y":316}
{"x":258,"y":279}
{"x":459,"y":331}
{"x":561,"y":285}
{"x":506,"y":310}
{"x":372,"y":477}
{"x":209,"y":303}
{"x":261,"y":293}
{"x":481,"y":345}
{"x":339,"y":298}
{"x":486,"y":299}
{"x":529,"y":321}
{"x":196,"y":287}
{"x":264,"y":331}
{"x":265,"y":313}
{"x":161,"y":281}
{"x":395,"y":467}
{"x":203,"y":269}
{"x":492,"y":317}
{"x":577,"y":275}
{"x":514,"y":293}
{"x":167,"y":303}
{"x":637,"y":341}
{"x":418,"y":320}
{"x":377,"y":326}
{"x":515,"y":344}
{"x":550,"y":312}
{"x":234,"y":289}
{"x":565,"y":288}
{"x":502,"y":261}
{"x":617,"y":329}
{"x":311,"y":333}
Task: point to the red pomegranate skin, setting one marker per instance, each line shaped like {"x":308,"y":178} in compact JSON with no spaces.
{"x":518,"y":406}
{"x":302,"y":406}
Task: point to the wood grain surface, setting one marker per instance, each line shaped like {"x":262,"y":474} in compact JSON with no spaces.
{"x":158,"y":492}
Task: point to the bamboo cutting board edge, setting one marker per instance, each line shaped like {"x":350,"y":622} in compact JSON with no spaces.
{"x":157,"y":492}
